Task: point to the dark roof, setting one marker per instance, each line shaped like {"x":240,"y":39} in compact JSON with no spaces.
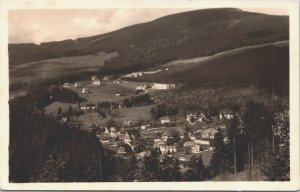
{"x":134,"y":132}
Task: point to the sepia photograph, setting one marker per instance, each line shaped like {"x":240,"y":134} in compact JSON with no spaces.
{"x":165,"y":94}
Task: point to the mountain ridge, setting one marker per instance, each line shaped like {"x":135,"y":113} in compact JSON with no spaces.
{"x":181,"y":35}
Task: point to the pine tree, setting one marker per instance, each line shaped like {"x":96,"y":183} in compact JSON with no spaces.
{"x":233,"y":134}
{"x":59,"y":112}
{"x":252,"y":118}
{"x":278,"y":166}
{"x":218,"y":160}
{"x":152,"y":166}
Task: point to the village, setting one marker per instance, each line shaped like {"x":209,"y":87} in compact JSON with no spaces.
{"x":119,"y":112}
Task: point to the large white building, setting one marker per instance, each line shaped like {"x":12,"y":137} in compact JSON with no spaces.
{"x":163,"y":86}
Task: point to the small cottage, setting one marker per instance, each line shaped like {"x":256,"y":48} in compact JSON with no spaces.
{"x":165,"y":120}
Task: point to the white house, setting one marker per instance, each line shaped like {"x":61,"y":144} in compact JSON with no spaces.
{"x":209,"y":133}
{"x":163,"y":86}
{"x":88,"y":107}
{"x":167,"y":149}
{"x":151,"y":72}
{"x":144,"y":127}
{"x":225,"y":114}
{"x":134,"y":74}
{"x":96,"y":83}
{"x":202,"y":142}
{"x":77,"y":84}
{"x":165,"y":136}
{"x":165,"y":120}
{"x":67,"y":85}
{"x":127,"y":122}
{"x":94,"y":77}
{"x":159,"y":143}
{"x":201,"y":117}
{"x":121,"y":150}
{"x":85,"y":90}
{"x":196,"y":149}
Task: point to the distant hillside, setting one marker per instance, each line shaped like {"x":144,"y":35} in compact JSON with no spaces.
{"x":266,"y":66}
{"x":177,"y":36}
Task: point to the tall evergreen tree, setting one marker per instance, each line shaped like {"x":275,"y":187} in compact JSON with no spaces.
{"x":59,"y":112}
{"x":152,"y":166}
{"x":233,"y":136}
{"x":218,"y":160}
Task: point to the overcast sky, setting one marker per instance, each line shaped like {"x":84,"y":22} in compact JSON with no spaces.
{"x":35,"y":26}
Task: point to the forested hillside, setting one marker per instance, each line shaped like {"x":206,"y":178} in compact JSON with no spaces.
{"x":41,"y":149}
{"x":182,"y":35}
{"x":266,"y":67}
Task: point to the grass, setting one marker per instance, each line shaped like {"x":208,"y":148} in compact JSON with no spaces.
{"x":135,"y":114}
{"x":53,"y":107}
{"x":107,"y":92}
{"x":59,"y":67}
{"x":88,"y":119}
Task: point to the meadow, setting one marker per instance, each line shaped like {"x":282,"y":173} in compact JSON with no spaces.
{"x":59,"y":67}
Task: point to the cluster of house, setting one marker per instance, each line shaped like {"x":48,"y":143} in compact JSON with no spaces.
{"x":143,"y":88}
{"x":91,"y":106}
{"x":141,"y":73}
{"x":156,"y":86}
{"x":132,"y":141}
{"x":87,"y":107}
{"x":94,"y":82}
{"x":192,"y":118}
{"x":192,"y":143}
{"x":133,"y":75}
{"x":225,"y":114}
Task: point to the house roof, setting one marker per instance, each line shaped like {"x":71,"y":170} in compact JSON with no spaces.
{"x":189,"y":144}
{"x":225,"y":111}
{"x":158,"y":143}
{"x":209,"y":130}
{"x":134,"y":132}
{"x":164,"y":118}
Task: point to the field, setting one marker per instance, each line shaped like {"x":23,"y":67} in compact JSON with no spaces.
{"x":135,"y":114}
{"x":88,"y":119}
{"x":53,"y":107}
{"x":107,"y":92}
{"x":59,"y":67}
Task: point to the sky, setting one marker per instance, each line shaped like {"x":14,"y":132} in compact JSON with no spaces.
{"x":36,"y":26}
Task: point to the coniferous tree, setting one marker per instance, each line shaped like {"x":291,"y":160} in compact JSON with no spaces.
{"x":278,"y":166}
{"x":233,"y":136}
{"x":218,"y":160}
{"x":152,"y":166}
{"x":59,"y":112}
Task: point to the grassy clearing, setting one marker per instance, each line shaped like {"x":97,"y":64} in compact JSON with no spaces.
{"x":53,"y":107}
{"x":107,"y":92}
{"x":135,"y":114}
{"x":59,"y":67}
{"x":88,"y":119}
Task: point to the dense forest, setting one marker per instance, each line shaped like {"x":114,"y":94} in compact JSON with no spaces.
{"x":258,"y":147}
{"x":44,"y":150}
